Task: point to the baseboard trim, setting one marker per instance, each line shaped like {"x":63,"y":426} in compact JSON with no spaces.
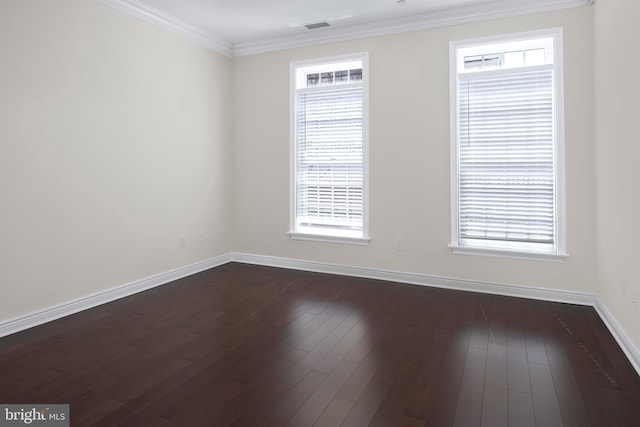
{"x":22,"y":323}
{"x":629,"y":348}
{"x":626,"y":344}
{"x":571,"y":297}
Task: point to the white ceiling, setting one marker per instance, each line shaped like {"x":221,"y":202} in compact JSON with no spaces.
{"x":240,"y":21}
{"x":240,"y":27}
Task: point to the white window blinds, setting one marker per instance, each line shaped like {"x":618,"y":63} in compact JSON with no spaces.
{"x":329,"y":160}
{"x":506,"y":156}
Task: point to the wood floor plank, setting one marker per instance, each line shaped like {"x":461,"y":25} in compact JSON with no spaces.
{"x":299,"y":395}
{"x":320,"y":399}
{"x":521,"y":409}
{"x":427,"y":393}
{"x":204,"y":404}
{"x":469,"y":407}
{"x":245,"y":345}
{"x":313,"y":357}
{"x":335,"y":413}
{"x":495,"y":411}
{"x":568,"y":393}
{"x":360,"y":378}
{"x":545,"y":401}
{"x":517,"y":365}
{"x":368,"y":402}
{"x":255,"y":407}
{"x":338,"y":353}
{"x":468,"y":413}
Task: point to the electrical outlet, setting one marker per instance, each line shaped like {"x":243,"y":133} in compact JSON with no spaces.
{"x":399,"y":245}
{"x":183,"y":241}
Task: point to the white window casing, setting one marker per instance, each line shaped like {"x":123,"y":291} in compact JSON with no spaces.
{"x":329,"y":149}
{"x":507,"y":149}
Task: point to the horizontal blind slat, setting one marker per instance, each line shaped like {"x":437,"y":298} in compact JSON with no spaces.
{"x":506,"y":184}
{"x":329,"y":158}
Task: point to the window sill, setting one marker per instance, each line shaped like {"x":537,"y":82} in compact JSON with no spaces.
{"x":508,"y":253}
{"x":330,"y":239}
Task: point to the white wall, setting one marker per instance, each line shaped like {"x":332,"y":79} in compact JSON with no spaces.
{"x":114,"y":141}
{"x":409,"y":156}
{"x":618,"y":151}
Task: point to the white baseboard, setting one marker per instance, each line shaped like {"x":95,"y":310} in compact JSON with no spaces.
{"x":629,"y":348}
{"x":21,"y":323}
{"x":570,"y":297}
{"x":626,"y":344}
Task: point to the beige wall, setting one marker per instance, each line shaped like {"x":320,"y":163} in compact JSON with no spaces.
{"x":409,"y":156}
{"x":618,"y":151}
{"x":114,"y":141}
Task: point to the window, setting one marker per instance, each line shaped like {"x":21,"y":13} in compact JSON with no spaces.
{"x":507,"y":146}
{"x":329,"y":149}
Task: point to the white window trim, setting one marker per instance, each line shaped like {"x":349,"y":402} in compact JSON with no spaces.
{"x":329,"y":238}
{"x":560,"y":253}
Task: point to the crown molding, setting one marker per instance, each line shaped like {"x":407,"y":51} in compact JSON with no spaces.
{"x":440,"y":18}
{"x":168,"y":22}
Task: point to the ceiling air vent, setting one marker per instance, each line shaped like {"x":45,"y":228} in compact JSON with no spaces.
{"x":316,"y":25}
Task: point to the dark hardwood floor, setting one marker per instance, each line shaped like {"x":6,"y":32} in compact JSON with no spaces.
{"x":246,"y":345}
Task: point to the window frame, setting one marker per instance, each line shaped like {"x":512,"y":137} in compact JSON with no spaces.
{"x":506,"y":249}
{"x":327,"y":236}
